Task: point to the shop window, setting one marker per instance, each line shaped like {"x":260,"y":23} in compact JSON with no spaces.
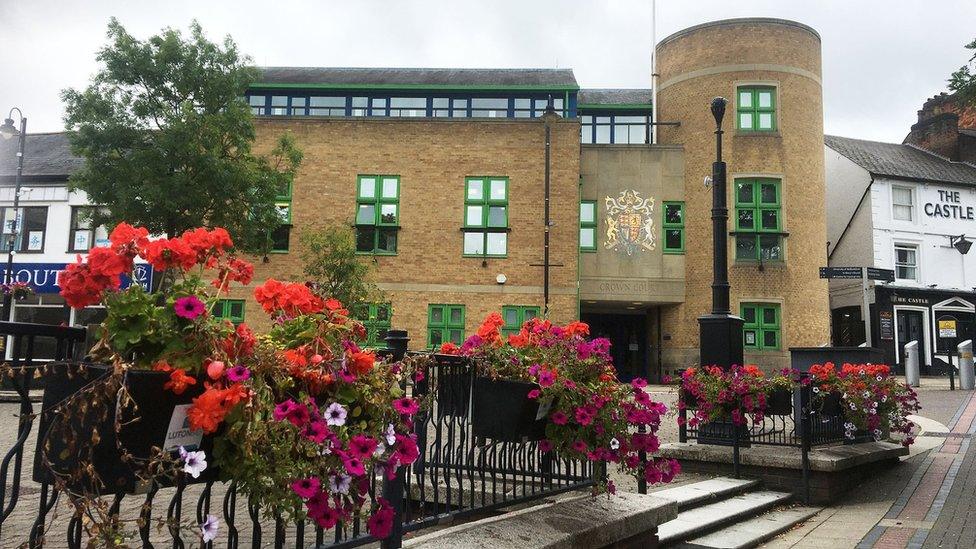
{"x":82,"y":236}
{"x":445,"y":323}
{"x":761,"y":328}
{"x":758,"y":220}
{"x":587,"y":234}
{"x":280,"y":238}
{"x":485,"y":216}
{"x":42,"y":309}
{"x":906,"y":262}
{"x":377,"y":214}
{"x":229,"y":309}
{"x":673,"y":226}
{"x":516,"y":315}
{"x":24,"y":232}
{"x":756,"y":108}
{"x":376,"y":319}
{"x":902,"y":204}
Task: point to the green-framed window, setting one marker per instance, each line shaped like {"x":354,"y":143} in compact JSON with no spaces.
{"x":673,"y":225}
{"x":758,"y":220}
{"x":516,"y":315}
{"x":444,"y":323}
{"x":485,"y":216}
{"x":229,"y":309}
{"x":280,"y":237}
{"x":376,"y":319}
{"x":755,"y":108}
{"x":377,"y":213}
{"x":587,"y":232}
{"x":762,"y":326}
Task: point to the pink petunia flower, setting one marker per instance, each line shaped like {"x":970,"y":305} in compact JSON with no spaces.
{"x":189,"y":307}
{"x":305,"y":488}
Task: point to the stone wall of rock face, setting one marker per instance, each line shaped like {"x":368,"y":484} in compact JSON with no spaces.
{"x":432,"y":157}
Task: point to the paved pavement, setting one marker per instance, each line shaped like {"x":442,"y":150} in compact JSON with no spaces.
{"x":925,"y":501}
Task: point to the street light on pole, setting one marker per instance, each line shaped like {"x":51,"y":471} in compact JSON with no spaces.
{"x":8,"y":130}
{"x":720,"y":332}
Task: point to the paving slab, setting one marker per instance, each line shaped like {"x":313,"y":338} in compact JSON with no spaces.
{"x":690,"y":495}
{"x":578,"y":523}
{"x":703,"y":519}
{"x":754,"y":531}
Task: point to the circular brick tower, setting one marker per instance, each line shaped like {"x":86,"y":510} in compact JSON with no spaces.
{"x":769,"y":70}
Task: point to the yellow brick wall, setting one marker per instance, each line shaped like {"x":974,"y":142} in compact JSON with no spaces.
{"x":709,"y":61}
{"x":432,"y":158}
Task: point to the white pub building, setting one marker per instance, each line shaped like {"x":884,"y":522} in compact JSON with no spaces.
{"x":48,"y":230}
{"x":900,"y":207}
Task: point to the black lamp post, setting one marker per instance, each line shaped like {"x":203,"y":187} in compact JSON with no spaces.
{"x":8,"y":130}
{"x":720,"y":331}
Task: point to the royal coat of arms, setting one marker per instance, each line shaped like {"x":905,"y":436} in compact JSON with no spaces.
{"x":630,"y":223}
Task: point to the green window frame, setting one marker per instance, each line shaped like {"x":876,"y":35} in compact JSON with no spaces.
{"x":376,"y":318}
{"x":673,"y":227}
{"x":758,"y":219}
{"x":377,"y":214}
{"x":485,"y":216}
{"x":445,"y":322}
{"x":279,"y":239}
{"x":516,"y":315}
{"x":587,"y":231}
{"x":229,"y":309}
{"x":755,"y":108}
{"x":762,"y":327}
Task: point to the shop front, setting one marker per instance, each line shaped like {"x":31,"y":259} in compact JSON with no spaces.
{"x":937,"y":319}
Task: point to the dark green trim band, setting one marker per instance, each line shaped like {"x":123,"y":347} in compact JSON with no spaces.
{"x":445,"y":87}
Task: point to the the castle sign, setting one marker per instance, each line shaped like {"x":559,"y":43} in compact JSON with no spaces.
{"x":949,"y":206}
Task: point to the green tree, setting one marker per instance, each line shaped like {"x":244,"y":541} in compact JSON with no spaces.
{"x":963,"y":81}
{"x":167,"y":138}
{"x":330,"y":261}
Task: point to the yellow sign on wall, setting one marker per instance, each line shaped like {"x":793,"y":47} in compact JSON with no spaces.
{"x":947,"y":328}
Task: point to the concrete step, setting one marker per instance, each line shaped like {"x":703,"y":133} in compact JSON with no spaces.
{"x":701,"y":520}
{"x":692,"y":495}
{"x":752,"y":532}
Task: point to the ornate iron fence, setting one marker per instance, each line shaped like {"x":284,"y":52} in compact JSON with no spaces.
{"x":457,"y":474}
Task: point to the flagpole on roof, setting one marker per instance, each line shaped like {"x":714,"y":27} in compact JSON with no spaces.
{"x":653,"y":71}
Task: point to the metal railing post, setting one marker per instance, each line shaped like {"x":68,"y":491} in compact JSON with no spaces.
{"x":804,"y":412}
{"x":642,"y":456}
{"x":393,"y":492}
{"x":683,"y":418}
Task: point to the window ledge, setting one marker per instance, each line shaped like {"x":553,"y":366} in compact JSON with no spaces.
{"x":486,"y":229}
{"x":758,"y":133}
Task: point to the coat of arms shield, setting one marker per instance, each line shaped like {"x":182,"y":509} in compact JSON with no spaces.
{"x":630,"y":223}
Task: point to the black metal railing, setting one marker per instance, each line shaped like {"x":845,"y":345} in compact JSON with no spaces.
{"x":806,"y":427}
{"x":456,"y":475}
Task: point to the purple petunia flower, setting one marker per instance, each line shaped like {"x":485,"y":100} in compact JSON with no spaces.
{"x":189,"y":307}
{"x":335,"y":414}
{"x":194,"y":463}
{"x":238,"y":373}
{"x":208,"y":530}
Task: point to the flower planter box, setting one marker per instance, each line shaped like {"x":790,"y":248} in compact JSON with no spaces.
{"x":830,"y":404}
{"x":722,"y":433}
{"x":859,"y":437}
{"x":780,"y":403}
{"x":141,"y":427}
{"x":453,"y":386}
{"x":502,"y":411}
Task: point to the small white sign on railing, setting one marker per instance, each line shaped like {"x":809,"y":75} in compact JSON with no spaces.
{"x":179,"y":433}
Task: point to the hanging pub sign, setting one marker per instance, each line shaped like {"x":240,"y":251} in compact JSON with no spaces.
{"x":44,"y":276}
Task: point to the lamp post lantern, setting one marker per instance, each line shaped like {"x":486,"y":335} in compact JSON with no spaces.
{"x":720,"y":331}
{"x":7,"y":130}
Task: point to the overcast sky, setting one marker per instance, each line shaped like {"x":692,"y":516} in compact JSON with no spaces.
{"x":881,"y":58}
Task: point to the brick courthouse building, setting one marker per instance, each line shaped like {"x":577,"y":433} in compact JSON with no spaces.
{"x":442,"y":172}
